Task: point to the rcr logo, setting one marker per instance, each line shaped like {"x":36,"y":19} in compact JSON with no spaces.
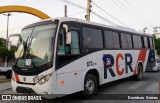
{"x":108,"y":61}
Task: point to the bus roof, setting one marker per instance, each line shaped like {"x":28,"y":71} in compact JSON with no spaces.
{"x":116,"y":27}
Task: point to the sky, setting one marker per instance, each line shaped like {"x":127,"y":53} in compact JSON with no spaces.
{"x":135,"y":14}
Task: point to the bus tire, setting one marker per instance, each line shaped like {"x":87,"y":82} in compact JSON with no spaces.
{"x":139,"y":75}
{"x":90,"y":86}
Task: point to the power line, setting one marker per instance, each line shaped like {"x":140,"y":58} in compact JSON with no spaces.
{"x":128,"y":13}
{"x":74,"y":4}
{"x":109,"y":14}
{"x":138,"y":13}
{"x":79,"y":6}
{"x":104,"y":19}
{"x":134,"y":14}
{"x":77,"y":13}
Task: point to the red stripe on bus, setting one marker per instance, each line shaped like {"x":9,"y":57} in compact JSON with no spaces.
{"x":141,"y":57}
{"x":16,"y":76}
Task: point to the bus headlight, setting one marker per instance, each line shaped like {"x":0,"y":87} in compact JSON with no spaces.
{"x":44,"y":79}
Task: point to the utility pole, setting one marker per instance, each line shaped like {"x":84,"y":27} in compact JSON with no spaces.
{"x":65,"y":11}
{"x":156,"y":31}
{"x":87,"y":16}
{"x":144,"y":30}
{"x":9,"y":14}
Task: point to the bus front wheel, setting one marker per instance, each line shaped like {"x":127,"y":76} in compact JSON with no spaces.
{"x":90,"y":86}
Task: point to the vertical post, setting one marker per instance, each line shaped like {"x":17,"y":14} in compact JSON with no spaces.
{"x":6,"y":62}
{"x":144,"y":30}
{"x":7,"y":28}
{"x":156,"y":31}
{"x":65,"y":11}
{"x":87,"y":16}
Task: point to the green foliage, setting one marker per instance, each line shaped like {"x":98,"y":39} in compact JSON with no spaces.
{"x":157,"y":43}
{"x":11,"y":52}
{"x":4,"y":51}
{"x":2,"y":42}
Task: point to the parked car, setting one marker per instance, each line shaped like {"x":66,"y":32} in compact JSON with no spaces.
{"x":7,"y":71}
{"x":157,"y":67}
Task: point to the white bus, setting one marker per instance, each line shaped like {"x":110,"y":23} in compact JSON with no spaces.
{"x":68,"y":55}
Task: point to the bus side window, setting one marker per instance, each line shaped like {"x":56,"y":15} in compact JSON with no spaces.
{"x":74,"y":46}
{"x":69,"y":49}
{"x":61,"y":46}
{"x":145,"y":42}
{"x":140,"y":42}
{"x":151,"y":42}
{"x":124,"y":40}
{"x":142,"y":39}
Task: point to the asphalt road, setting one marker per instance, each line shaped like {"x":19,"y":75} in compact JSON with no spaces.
{"x":149,"y":85}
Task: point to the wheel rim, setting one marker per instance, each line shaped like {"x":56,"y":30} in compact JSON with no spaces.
{"x":90,"y":86}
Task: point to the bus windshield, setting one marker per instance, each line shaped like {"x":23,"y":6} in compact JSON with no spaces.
{"x":35,"y":47}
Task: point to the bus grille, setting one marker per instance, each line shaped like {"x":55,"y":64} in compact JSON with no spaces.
{"x":26,"y":83}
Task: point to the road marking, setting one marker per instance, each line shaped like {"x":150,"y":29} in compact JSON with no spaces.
{"x":137,"y":85}
{"x":152,"y":87}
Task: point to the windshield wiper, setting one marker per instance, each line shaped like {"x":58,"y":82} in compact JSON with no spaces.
{"x":27,"y":49}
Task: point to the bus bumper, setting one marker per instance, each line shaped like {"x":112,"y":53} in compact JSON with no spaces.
{"x":42,"y":90}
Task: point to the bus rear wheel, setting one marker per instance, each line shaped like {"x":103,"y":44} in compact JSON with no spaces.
{"x":90,"y":86}
{"x":139,"y":75}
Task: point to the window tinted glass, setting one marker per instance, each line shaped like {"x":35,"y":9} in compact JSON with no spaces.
{"x":61,"y":41}
{"x":129,"y":40}
{"x":123,"y":40}
{"x":111,"y":39}
{"x":135,"y":41}
{"x":92,"y":38}
{"x":145,"y":42}
{"x":151,"y":42}
{"x":74,"y":43}
{"x":139,"y":41}
{"x":72,"y":48}
{"x":116,"y":40}
{"x":149,"y":45}
{"x":108,"y":35}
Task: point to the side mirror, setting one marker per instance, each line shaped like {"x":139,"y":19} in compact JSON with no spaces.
{"x":68,"y":38}
{"x":10,"y":43}
{"x":15,"y":35}
{"x":68,"y":34}
{"x":65,"y":26}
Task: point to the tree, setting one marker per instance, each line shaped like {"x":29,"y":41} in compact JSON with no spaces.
{"x":157,"y":43}
{"x":4,"y":51}
{"x":2,"y":42}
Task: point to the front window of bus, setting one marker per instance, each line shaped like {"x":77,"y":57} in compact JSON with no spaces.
{"x":35,"y":47}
